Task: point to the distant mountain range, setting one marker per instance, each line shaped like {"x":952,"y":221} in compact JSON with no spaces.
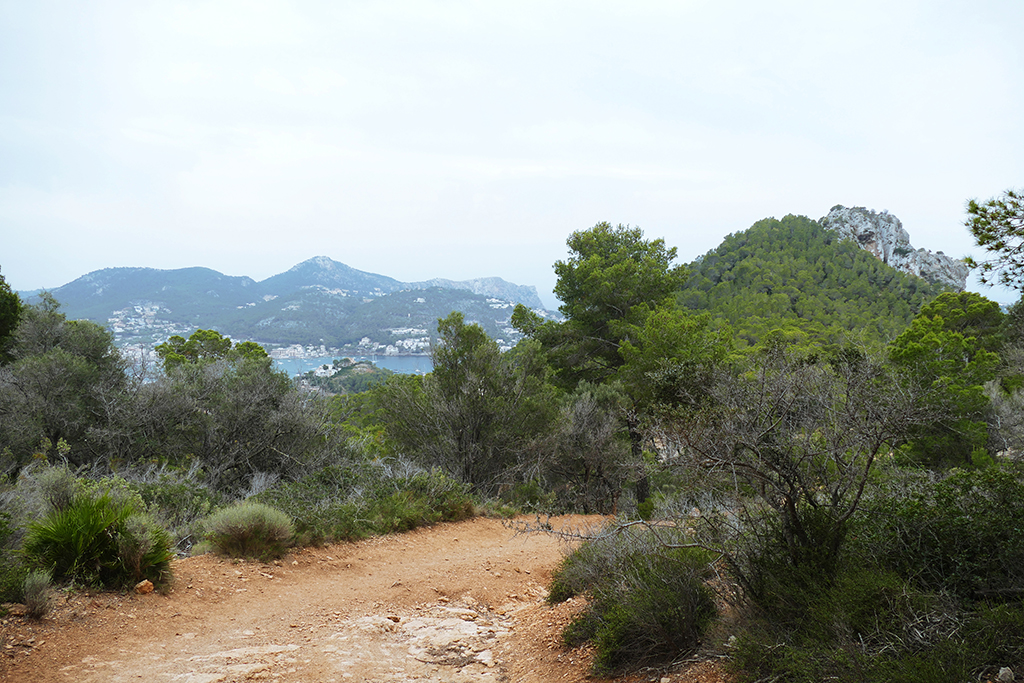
{"x":318,"y":303}
{"x":852,"y":271}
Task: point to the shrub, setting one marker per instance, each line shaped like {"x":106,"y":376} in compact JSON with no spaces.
{"x":320,"y":504}
{"x":99,"y":540}
{"x":57,"y":487}
{"x":40,"y":489}
{"x":529,"y":496}
{"x":969,"y":647}
{"x":252,"y":530}
{"x":342,"y":503}
{"x":927,"y":588}
{"x":12,"y":577}
{"x":144,"y":550}
{"x":178,"y":499}
{"x":964,"y":534}
{"x":584,"y":567}
{"x":648,"y":602}
{"x":38,"y":595}
{"x":12,"y":570}
{"x":432,"y":497}
{"x":78,"y":542}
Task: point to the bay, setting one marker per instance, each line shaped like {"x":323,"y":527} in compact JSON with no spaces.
{"x":406,"y":365}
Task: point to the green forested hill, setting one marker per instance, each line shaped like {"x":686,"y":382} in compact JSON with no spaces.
{"x":794,"y":275}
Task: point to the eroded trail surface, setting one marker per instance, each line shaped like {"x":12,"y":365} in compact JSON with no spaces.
{"x":454,"y":602}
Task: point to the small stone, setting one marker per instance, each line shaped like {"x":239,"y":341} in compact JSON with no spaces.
{"x":144,"y":587}
{"x":1006,"y":674}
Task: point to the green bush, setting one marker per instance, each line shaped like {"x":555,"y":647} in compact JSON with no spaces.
{"x":584,"y":567}
{"x":963,"y":534}
{"x":78,"y":542}
{"x":57,"y":486}
{"x":966,"y":647}
{"x":178,"y":499}
{"x":647,"y":600}
{"x":38,"y":594}
{"x":144,"y":550}
{"x":343,"y":503}
{"x":12,"y":570}
{"x":38,"y":490}
{"x":927,"y":587}
{"x":252,"y":530}
{"x":530,"y":496}
{"x":432,"y":497}
{"x":99,"y":540}
{"x":995,"y":635}
{"x":782,"y":574}
{"x":12,"y":577}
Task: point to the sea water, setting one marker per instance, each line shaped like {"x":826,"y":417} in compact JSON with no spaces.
{"x":407,"y":365}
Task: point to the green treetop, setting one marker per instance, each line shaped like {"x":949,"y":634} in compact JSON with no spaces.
{"x":10,"y":314}
{"x":205,"y":346}
{"x":611,"y":281}
{"x":998,"y":226}
{"x":949,"y":350}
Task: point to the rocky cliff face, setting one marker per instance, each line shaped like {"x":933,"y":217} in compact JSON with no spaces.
{"x":883,"y":235}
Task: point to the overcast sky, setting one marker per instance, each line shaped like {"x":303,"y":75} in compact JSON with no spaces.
{"x":423,"y":139}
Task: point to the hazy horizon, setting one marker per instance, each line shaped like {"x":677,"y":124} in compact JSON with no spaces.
{"x":462,"y":140}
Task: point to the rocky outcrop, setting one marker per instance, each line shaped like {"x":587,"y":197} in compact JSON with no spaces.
{"x":883,"y":235}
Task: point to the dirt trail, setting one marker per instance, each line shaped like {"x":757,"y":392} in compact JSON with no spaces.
{"x":454,"y":602}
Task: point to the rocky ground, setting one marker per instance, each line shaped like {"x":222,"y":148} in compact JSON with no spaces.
{"x":455,"y":602}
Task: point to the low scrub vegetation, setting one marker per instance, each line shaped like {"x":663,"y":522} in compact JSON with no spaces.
{"x":927,"y":587}
{"x":251,"y":530}
{"x":38,"y":594}
{"x":100,"y":540}
{"x":648,"y":601}
{"x":375,"y":497}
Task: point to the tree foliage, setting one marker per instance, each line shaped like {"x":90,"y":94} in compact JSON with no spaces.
{"x":589,"y":461}
{"x":478,"y":414}
{"x":949,"y":351}
{"x":612,"y":280}
{"x":670,"y":362}
{"x":236,"y":418}
{"x":10,"y":313}
{"x":204,"y":346}
{"x":610,"y":285}
{"x":795,"y":276}
{"x":60,"y":386}
{"x":803,"y":434}
{"x":997,"y":225}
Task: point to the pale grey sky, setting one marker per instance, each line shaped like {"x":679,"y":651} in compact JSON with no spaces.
{"x":422,"y":139}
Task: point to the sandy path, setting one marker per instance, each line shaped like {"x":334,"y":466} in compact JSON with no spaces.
{"x":437,"y":604}
{"x":455,"y":602}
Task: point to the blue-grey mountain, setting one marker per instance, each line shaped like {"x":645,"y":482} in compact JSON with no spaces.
{"x":318,"y":301}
